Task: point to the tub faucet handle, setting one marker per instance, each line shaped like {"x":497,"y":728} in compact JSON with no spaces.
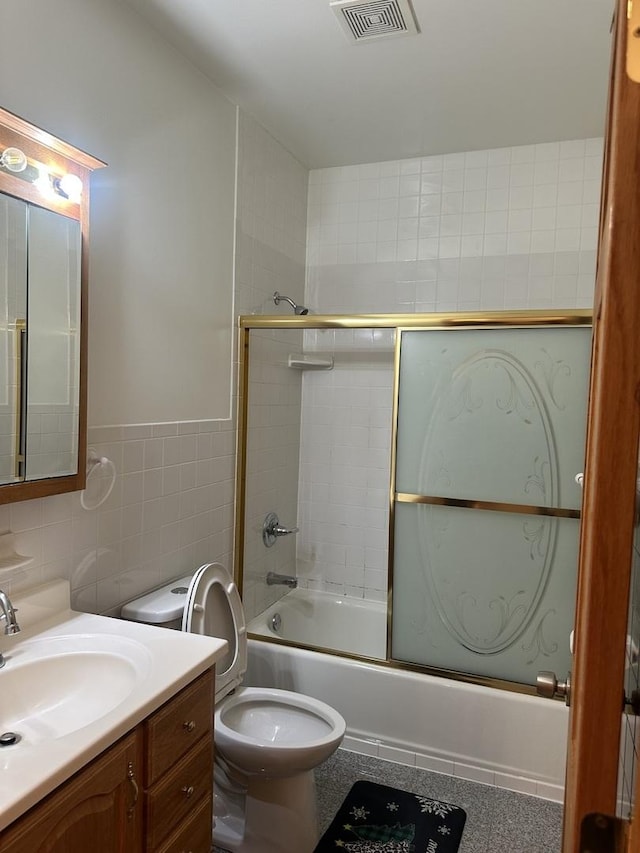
{"x":272,"y":529}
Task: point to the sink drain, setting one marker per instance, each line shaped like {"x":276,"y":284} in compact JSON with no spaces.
{"x":9,"y":738}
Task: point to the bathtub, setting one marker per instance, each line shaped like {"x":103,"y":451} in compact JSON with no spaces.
{"x":479,"y":733}
{"x":316,"y":618}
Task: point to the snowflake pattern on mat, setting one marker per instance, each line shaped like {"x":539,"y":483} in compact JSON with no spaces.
{"x":393,"y":807}
{"x":435,"y":806}
{"x":359,"y":813}
{"x":444,"y":830}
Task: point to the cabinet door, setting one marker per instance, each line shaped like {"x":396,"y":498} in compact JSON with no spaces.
{"x":98,"y":810}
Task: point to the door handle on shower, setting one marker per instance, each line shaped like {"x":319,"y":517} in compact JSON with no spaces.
{"x":272,"y":529}
{"x":547,"y":685}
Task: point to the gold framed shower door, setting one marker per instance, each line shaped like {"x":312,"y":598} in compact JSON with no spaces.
{"x":398,"y":323}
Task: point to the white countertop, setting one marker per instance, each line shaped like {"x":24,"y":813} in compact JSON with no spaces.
{"x":165,"y":662}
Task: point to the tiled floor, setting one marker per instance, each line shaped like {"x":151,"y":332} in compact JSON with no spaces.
{"x":498,"y":821}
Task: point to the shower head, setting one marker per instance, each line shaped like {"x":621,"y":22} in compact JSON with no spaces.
{"x":300,"y":310}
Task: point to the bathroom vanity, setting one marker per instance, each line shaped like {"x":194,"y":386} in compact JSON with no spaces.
{"x":151,"y":791}
{"x":138,"y":778}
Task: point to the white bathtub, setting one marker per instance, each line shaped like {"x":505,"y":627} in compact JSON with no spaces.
{"x":491,"y":736}
{"x":316,"y":618}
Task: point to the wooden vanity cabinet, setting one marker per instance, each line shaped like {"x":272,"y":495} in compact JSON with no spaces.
{"x":178,"y":796}
{"x":151,"y":792}
{"x":98,"y":810}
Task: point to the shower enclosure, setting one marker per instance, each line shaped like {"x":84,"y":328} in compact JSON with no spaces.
{"x":429,"y":462}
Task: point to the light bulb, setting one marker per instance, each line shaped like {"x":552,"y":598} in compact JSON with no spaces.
{"x":13,"y":160}
{"x":44,"y":184}
{"x":71,"y":187}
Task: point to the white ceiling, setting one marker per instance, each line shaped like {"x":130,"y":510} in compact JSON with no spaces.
{"x":481,"y":74}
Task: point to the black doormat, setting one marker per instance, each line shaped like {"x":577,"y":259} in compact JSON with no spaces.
{"x":378,"y":819}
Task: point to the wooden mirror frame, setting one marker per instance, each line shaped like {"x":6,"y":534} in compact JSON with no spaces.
{"x":61,"y":158}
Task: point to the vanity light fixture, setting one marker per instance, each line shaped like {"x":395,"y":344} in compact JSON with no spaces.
{"x":69,"y":186}
{"x":44,"y":183}
{"x":13,"y":160}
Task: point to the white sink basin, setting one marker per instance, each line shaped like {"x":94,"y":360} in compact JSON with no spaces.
{"x":74,"y":683}
{"x":51,"y":688}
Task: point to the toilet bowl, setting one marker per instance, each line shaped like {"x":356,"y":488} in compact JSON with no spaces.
{"x":268,"y":741}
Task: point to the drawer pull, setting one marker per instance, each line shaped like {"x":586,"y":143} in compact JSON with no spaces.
{"x":189,"y":725}
{"x":188,"y":791}
{"x":134,"y":790}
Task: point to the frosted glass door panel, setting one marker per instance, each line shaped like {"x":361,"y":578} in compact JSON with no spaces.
{"x":483,"y":592}
{"x":493,"y":414}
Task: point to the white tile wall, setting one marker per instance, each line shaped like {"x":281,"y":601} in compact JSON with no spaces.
{"x":270,"y":256}
{"x":504,"y":228}
{"x":344,"y":465}
{"x":510,"y":228}
{"x":170,"y":510}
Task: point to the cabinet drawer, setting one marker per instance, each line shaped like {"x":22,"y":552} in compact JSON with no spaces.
{"x":171,"y":800}
{"x":194,"y":835}
{"x":176,"y":727}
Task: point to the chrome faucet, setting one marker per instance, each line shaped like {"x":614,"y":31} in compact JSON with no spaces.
{"x":272,"y":529}
{"x":285,"y":580}
{"x":9,"y":615}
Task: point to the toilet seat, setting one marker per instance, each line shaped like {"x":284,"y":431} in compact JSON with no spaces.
{"x":273,"y":732}
{"x":213,"y":607}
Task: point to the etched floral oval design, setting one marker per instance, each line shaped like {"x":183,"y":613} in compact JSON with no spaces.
{"x":490,"y":408}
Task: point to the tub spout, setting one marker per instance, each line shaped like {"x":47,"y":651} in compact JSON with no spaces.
{"x":285,"y":580}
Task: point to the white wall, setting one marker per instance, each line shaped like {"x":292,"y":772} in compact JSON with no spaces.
{"x":160,"y":296}
{"x":172,"y":505}
{"x":270,"y":255}
{"x":511,"y":228}
{"x":97,"y":76}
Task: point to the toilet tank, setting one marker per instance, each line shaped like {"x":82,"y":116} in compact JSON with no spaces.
{"x":163,"y":607}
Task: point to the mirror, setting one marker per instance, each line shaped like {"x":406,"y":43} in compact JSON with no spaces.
{"x":43,"y":250}
{"x":39,"y":341}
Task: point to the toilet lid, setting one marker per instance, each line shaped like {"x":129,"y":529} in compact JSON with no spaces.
{"x":213,"y":607}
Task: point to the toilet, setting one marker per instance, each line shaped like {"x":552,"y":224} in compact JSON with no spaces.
{"x":268,"y":741}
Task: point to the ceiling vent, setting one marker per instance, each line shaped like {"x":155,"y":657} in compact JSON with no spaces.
{"x":376,"y":19}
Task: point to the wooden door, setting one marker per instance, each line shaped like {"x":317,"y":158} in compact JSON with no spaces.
{"x":97,"y":811}
{"x":607,"y":531}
